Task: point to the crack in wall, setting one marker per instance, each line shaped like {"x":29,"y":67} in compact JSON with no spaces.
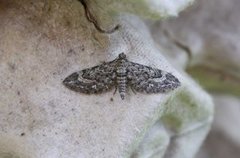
{"x":93,"y":20}
{"x":179,"y":44}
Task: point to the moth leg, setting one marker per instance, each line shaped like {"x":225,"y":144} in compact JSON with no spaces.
{"x":115,"y":90}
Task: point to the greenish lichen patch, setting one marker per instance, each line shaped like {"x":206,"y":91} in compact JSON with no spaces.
{"x":172,"y":121}
{"x":184,"y":109}
{"x":139,"y":7}
{"x":8,"y":155}
{"x":216,"y":80}
{"x":143,"y":8}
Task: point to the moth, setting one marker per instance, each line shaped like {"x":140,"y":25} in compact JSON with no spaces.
{"x":121,"y":74}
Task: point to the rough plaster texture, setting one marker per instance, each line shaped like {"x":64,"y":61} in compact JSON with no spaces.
{"x":223,"y":140}
{"x":229,"y":106}
{"x":210,"y":30}
{"x":40,"y":44}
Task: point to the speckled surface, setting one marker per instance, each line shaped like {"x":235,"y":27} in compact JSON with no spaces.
{"x":40,"y":44}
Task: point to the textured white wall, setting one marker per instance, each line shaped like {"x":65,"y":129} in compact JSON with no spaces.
{"x":43,"y":42}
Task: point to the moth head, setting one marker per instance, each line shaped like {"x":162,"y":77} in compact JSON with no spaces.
{"x":122,"y":56}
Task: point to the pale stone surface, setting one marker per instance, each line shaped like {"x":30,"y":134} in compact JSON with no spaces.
{"x":105,"y":12}
{"x":224,"y":139}
{"x":228,"y":117}
{"x":41,"y":44}
{"x":210,"y":30}
{"x":166,"y":7}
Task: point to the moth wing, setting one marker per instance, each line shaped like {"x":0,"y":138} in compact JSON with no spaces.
{"x":97,"y":79}
{"x":150,"y":80}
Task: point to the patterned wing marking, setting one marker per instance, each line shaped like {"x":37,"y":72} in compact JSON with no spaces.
{"x":97,"y":79}
{"x":150,"y":80}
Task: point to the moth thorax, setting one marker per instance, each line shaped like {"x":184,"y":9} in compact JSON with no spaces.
{"x":121,"y":70}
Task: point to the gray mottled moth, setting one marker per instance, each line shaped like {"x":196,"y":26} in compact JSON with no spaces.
{"x":121,"y":74}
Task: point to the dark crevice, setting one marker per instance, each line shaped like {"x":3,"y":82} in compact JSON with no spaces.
{"x":179,"y":44}
{"x":93,"y":20}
